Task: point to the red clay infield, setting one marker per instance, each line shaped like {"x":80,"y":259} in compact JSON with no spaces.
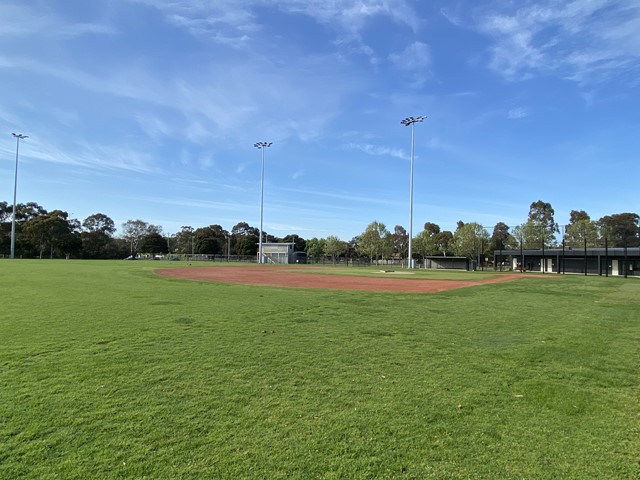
{"x":285,"y":276}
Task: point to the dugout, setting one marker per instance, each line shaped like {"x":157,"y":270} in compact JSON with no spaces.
{"x":616,"y":261}
{"x":447,"y":263}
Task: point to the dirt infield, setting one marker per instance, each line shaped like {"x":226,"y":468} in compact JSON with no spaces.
{"x":286,"y":277}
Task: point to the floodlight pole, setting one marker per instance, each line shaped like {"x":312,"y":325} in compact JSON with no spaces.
{"x":261,"y":146}
{"x":411,"y":121}
{"x":18,"y":137}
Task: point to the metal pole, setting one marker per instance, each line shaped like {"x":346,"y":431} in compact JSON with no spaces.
{"x":411,"y":121}
{"x":261,"y":208}
{"x":18,"y":137}
{"x":606,"y":256}
{"x":563,"y":261}
{"x":586,"y":265}
{"x":410,"y":253}
{"x":544,"y":259}
{"x":261,"y":146}
{"x":521,"y":255}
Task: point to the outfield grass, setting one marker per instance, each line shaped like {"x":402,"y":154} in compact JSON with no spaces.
{"x":401,"y":272}
{"x":108,"y":371}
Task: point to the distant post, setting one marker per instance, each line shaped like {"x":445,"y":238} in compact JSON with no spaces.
{"x":18,"y":137}
{"x":410,"y":121}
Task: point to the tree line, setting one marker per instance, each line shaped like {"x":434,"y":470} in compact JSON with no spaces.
{"x":473,"y":240}
{"x":53,"y":234}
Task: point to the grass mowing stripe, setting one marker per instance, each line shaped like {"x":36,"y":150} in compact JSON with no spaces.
{"x":110,"y":372}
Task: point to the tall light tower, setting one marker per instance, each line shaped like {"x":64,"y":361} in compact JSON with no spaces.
{"x":261,"y":146}
{"x":18,"y":137}
{"x":411,"y":121}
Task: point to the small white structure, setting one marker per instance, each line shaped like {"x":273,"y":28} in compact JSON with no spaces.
{"x":277,"y":252}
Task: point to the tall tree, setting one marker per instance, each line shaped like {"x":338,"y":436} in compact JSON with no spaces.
{"x":211,"y":240}
{"x":134,"y":230}
{"x":53,"y":231}
{"x":245,"y":239}
{"x":99,"y":222}
{"x":300,"y":243}
{"x":185,"y":240}
{"x":577,"y":216}
{"x":334,"y":247}
{"x":542,"y":225}
{"x":470,"y":240}
{"x":443,"y":241}
{"x":499,"y":237}
{"x":581,"y":229}
{"x":315,"y":248}
{"x":425,"y":244}
{"x":375,"y":241}
{"x":153,"y":243}
{"x":621,"y":229}
{"x":432,"y":229}
{"x":96,"y":236}
{"x":400,"y":240}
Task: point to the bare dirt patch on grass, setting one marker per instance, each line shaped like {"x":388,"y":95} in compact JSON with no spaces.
{"x":286,"y":277}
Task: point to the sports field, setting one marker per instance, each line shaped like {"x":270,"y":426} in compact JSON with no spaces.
{"x":108,"y":370}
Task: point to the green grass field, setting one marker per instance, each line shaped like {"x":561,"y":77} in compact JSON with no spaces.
{"x":107,"y":371}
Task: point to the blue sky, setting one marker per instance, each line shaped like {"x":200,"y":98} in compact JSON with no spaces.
{"x":149,"y":109}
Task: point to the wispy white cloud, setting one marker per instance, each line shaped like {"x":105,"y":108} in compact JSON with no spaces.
{"x":154,"y":127}
{"x":338,"y":195}
{"x":97,"y":158}
{"x":379,"y":151}
{"x":211,"y":104}
{"x":234,"y":22}
{"x":517,"y":113}
{"x":589,"y":41}
{"x":24,"y":20}
{"x":417,"y":56}
{"x":414,"y":60}
{"x":453,"y":17}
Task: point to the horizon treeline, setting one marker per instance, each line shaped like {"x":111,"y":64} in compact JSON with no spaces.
{"x":53,"y":234}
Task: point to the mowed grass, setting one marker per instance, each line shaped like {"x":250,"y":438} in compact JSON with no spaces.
{"x":108,"y":371}
{"x":394,"y":271}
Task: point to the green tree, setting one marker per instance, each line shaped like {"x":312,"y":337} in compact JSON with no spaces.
{"x":431,"y":228}
{"x":621,"y":229}
{"x":211,"y":240}
{"x":581,"y":228}
{"x":315,"y":248}
{"x":577,"y":215}
{"x":99,"y":222}
{"x":185,"y":240}
{"x":5,"y":228}
{"x":300,"y":243}
{"x":334,"y":247}
{"x":24,"y":213}
{"x":375,"y":241}
{"x":470,"y":240}
{"x":245,"y":239}
{"x":541,"y":224}
{"x":96,"y":236}
{"x":133,"y":231}
{"x":425,"y":244}
{"x":153,"y":243}
{"x":55,"y":232}
{"x":499,"y":237}
{"x":400,"y":240}
{"x":443,"y":241}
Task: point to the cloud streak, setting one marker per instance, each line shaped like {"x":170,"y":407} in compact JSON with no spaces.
{"x":375,"y":150}
{"x":588,"y":41}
